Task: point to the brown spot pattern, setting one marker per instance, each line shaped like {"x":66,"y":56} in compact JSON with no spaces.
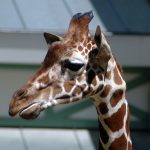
{"x":87,"y":92}
{"x":83,"y":53}
{"x":128,"y":123}
{"x":80,"y":48}
{"x":120,"y":143}
{"x":94,"y":82}
{"x":99,"y":89}
{"x":129,"y":146}
{"x":74,"y":46}
{"x":103,"y":134}
{"x":68,"y":85}
{"x":57,"y":90}
{"x":117,"y":119}
{"x":116,"y":97}
{"x":81,"y":78}
{"x":89,"y":46}
{"x":93,"y":42}
{"x":77,"y":90}
{"x":82,"y":39}
{"x":106,"y":91}
{"x":85,"y":43}
{"x":86,"y":51}
{"x":117,"y":77}
{"x":44,"y":79}
{"x":89,"y":39}
{"x":100,"y":76}
{"x":103,"y":108}
{"x":108,"y":75}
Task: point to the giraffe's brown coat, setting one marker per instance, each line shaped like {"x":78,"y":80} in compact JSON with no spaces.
{"x":74,"y":46}
{"x":86,"y":51}
{"x":117,"y":77}
{"x":82,"y":39}
{"x":37,"y":74}
{"x":100,"y":76}
{"x":108,"y":75}
{"x":105,"y":91}
{"x":80,"y":48}
{"x":93,"y":42}
{"x":57,"y":90}
{"x":83,"y":53}
{"x":103,"y":108}
{"x":44,"y":79}
{"x":89,"y":46}
{"x":77,"y":90}
{"x":85,"y":43}
{"x":116,"y":97}
{"x":89,"y":39}
{"x":85,"y":93}
{"x":81,"y":78}
{"x":119,"y":143}
{"x":68,"y":85}
{"x":129,"y":146}
{"x":99,"y":89}
{"x":103,"y":134}
{"x":128,"y":123}
{"x":117,"y":119}
{"x":94,"y":82}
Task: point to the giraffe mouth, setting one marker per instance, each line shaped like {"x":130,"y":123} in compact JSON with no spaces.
{"x":30,"y":112}
{"x":63,"y":97}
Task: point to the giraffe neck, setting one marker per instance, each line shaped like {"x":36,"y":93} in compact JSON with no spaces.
{"x":113,"y":111}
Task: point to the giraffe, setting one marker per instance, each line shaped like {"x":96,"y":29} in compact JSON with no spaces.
{"x":77,"y":66}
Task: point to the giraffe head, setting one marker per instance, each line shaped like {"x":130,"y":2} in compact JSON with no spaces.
{"x":74,"y":67}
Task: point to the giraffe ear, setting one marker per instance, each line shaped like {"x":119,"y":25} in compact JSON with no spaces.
{"x":102,"y":58}
{"x":98,"y":36}
{"x":50,"y":38}
{"x":104,"y":52}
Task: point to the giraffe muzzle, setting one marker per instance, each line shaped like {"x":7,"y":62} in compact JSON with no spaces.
{"x":31,"y":112}
{"x":21,"y":104}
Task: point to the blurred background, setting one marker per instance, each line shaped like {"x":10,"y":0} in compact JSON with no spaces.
{"x":126,"y":25}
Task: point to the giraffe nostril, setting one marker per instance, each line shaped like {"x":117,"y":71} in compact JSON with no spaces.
{"x":20,"y":94}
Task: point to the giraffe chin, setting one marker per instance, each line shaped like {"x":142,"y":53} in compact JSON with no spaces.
{"x":31,"y":112}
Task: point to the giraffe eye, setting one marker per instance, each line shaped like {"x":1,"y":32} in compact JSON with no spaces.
{"x":73,"y":65}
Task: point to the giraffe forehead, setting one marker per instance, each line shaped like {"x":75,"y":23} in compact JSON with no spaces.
{"x":77,"y":57}
{"x":56,"y":52}
{"x":80,"y":50}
